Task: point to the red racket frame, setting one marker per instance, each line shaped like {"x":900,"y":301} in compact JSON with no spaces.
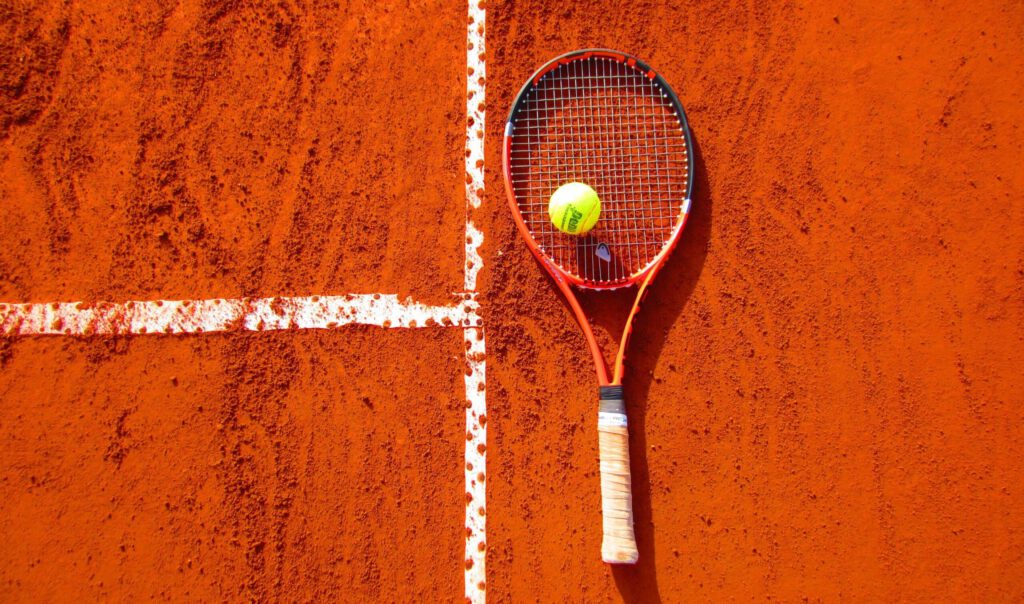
{"x":619,"y":541}
{"x":566,"y":280}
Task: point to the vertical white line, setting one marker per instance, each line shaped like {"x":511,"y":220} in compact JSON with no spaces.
{"x":476,"y":75}
{"x":475,"y":577}
{"x":476,"y":463}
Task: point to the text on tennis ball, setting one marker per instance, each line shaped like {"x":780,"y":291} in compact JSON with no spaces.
{"x":574,"y":208}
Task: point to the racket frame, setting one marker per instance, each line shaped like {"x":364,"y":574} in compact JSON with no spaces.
{"x":564,"y":279}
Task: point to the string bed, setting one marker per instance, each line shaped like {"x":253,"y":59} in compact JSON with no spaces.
{"x":604,"y":123}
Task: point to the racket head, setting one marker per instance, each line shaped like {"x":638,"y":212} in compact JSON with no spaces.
{"x":607,"y":119}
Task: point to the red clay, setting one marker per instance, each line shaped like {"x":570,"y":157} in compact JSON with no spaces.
{"x":825,"y":384}
{"x":824,"y":387}
{"x":244,"y":467}
{"x":196,"y":150}
{"x":209,"y":149}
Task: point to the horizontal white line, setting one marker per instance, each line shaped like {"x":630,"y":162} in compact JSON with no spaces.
{"x":231,"y":314}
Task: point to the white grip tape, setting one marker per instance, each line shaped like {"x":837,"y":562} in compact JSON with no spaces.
{"x":619,"y":543}
{"x":611,"y":420}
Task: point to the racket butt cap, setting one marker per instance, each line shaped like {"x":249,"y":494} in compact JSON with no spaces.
{"x":619,"y":556}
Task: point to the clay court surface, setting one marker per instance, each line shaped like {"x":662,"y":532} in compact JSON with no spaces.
{"x":824,"y":387}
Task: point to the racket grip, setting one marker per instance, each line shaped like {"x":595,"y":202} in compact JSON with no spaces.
{"x":619,"y":543}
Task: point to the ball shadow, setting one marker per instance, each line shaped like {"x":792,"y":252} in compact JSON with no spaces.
{"x":669,"y":293}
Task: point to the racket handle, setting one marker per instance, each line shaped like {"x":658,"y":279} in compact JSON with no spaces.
{"x":619,"y":544}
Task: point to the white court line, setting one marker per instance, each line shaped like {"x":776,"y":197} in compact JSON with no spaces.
{"x":476,"y":406}
{"x":330,"y":312}
{"x":476,"y":465}
{"x":229,"y":314}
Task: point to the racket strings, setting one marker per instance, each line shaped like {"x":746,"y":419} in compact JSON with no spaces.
{"x":604,"y":123}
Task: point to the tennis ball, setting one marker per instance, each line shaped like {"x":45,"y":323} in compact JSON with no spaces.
{"x":574,"y":208}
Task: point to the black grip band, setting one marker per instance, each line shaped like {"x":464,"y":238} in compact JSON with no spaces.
{"x":611,"y":392}
{"x":611,"y":400}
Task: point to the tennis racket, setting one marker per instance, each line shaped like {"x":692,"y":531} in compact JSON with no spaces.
{"x":608,"y":120}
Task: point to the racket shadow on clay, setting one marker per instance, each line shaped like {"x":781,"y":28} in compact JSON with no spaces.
{"x":664,"y":308}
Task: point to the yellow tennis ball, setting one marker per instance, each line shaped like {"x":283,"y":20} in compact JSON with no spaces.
{"x":574,"y":208}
